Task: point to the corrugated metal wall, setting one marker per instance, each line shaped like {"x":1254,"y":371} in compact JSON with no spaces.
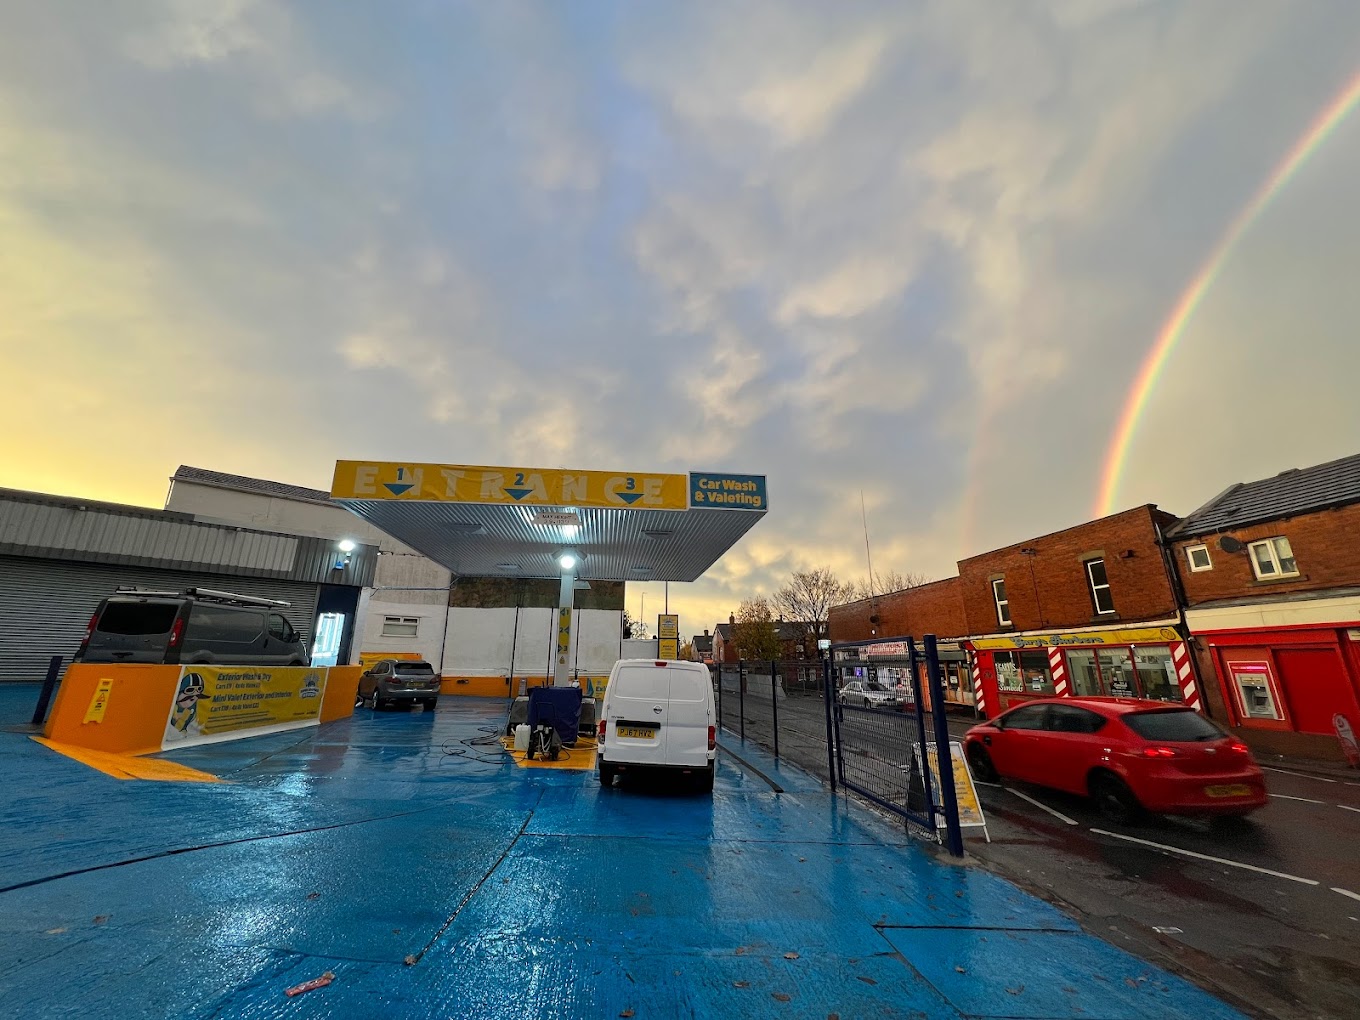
{"x":95,"y":535}
{"x":45,"y":605}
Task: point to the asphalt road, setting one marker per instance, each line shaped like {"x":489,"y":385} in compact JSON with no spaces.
{"x":1266,"y":915}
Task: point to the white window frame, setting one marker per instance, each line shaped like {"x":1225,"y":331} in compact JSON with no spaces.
{"x":1091,"y":583}
{"x":1271,"y":545}
{"x":395,"y":626}
{"x":1003,"y":604}
{"x":1190,"y":551}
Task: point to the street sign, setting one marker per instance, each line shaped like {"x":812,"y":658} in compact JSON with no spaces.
{"x":970,"y":808}
{"x":557,"y":518}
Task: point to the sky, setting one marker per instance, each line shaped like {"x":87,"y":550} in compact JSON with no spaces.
{"x":917,"y":251}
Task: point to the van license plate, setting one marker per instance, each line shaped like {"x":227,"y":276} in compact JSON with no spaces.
{"x":1236,"y":790}
{"x":640,"y":732}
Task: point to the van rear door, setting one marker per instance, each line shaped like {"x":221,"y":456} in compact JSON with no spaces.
{"x":131,"y":630}
{"x":638,"y":695}
{"x":688,"y":716}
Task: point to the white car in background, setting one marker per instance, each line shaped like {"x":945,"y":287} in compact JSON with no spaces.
{"x":867,"y":694}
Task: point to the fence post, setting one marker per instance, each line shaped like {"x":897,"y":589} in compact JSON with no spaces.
{"x":830,"y":738}
{"x":741,"y":695}
{"x":774,"y":702}
{"x":45,"y":695}
{"x":949,"y":801}
{"x":922,"y":737}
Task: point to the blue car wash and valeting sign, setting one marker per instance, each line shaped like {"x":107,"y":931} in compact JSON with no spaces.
{"x":729,"y":492}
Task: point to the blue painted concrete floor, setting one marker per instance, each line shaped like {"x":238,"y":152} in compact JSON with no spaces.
{"x":435,"y":879}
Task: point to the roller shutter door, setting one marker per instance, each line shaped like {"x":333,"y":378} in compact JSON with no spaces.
{"x":45,"y":605}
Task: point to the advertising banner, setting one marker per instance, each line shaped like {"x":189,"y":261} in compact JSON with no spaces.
{"x":218,"y":702}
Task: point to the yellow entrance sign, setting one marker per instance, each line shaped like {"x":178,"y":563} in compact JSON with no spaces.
{"x":1136,"y":636}
{"x":965,"y":793}
{"x":563,"y":636}
{"x":460,"y":483}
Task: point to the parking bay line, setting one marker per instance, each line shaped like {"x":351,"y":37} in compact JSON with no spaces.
{"x":1300,"y":775}
{"x":1306,"y":800}
{"x":1346,"y":892}
{"x":1039,"y":804}
{"x":1205,"y":857}
{"x":1347,"y":807}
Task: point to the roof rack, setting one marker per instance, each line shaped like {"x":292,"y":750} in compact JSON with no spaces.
{"x":208,"y":594}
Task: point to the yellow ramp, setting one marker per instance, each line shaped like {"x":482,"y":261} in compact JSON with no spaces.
{"x":127,"y":766}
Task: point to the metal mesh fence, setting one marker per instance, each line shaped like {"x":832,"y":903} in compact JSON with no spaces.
{"x":875,"y":756}
{"x":779,"y":706}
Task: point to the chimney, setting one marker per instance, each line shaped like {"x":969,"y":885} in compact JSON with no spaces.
{"x":705,"y":632}
{"x":732,"y":619}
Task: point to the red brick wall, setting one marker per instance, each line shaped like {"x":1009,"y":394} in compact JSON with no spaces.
{"x":1325,"y":545}
{"x":934,"y":608}
{"x":1057,"y":593}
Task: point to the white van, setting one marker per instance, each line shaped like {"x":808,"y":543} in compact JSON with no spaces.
{"x":658,"y":715}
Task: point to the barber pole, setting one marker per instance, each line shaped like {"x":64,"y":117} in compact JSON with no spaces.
{"x":1185,"y":674}
{"x":979,"y":699}
{"x":1059,"y":668}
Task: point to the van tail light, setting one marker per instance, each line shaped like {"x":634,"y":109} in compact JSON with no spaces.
{"x":712,"y":737}
{"x":660,"y":663}
{"x":1237,"y":747}
{"x":1158,"y":752}
{"x":603,"y":723}
{"x":89,"y":634}
{"x":177,"y":632}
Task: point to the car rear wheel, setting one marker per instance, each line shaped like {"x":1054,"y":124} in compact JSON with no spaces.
{"x":981,"y":763}
{"x":606,"y":774}
{"x":429,"y":704}
{"x":376,"y":703}
{"x":1114,"y":798}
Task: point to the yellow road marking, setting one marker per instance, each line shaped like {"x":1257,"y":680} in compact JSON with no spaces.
{"x":127,"y":766}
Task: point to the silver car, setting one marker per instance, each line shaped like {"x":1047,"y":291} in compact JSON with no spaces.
{"x":399,"y":681}
{"x":867,"y":694}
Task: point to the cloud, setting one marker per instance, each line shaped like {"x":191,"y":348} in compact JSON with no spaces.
{"x":911,"y":250}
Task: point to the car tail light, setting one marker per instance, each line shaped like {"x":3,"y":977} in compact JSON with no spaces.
{"x":177,"y":632}
{"x":1158,"y":752}
{"x":603,"y":723}
{"x":1239,"y":748}
{"x":712,"y":737}
{"x":89,"y":633}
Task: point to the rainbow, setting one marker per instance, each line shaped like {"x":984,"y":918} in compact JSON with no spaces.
{"x":1174,"y":328}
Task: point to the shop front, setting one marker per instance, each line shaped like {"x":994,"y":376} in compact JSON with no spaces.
{"x":1292,"y":688}
{"x":1149,"y":662}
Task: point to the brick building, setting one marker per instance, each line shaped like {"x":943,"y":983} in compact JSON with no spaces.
{"x":1270,"y":572}
{"x":1091,"y":610}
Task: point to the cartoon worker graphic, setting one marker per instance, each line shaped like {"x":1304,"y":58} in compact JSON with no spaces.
{"x":184,"y":716}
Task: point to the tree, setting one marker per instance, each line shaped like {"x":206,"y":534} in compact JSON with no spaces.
{"x":892,"y":580}
{"x":755,"y":634}
{"x":633,"y":628}
{"x":687,"y":651}
{"x":806,"y":601}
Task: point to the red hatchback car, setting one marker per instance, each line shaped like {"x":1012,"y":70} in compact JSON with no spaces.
{"x":1129,"y":756}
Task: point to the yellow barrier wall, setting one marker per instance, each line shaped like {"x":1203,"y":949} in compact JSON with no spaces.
{"x":342,"y":689}
{"x":137,"y":705}
{"x":496,"y":687}
{"x":135,"y":708}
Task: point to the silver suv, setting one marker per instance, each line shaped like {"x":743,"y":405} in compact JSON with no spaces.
{"x":395,"y":681}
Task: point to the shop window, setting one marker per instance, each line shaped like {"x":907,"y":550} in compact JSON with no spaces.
{"x":1157,"y":673}
{"x":1116,"y":670}
{"x":1003,"y":605}
{"x":400,"y":626}
{"x":1034,"y":668}
{"x":1272,"y":558}
{"x":1198,"y":555}
{"x":1085,"y":677}
{"x":1255,"y":690}
{"x":1007,"y":666}
{"x":1100,"y":587}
